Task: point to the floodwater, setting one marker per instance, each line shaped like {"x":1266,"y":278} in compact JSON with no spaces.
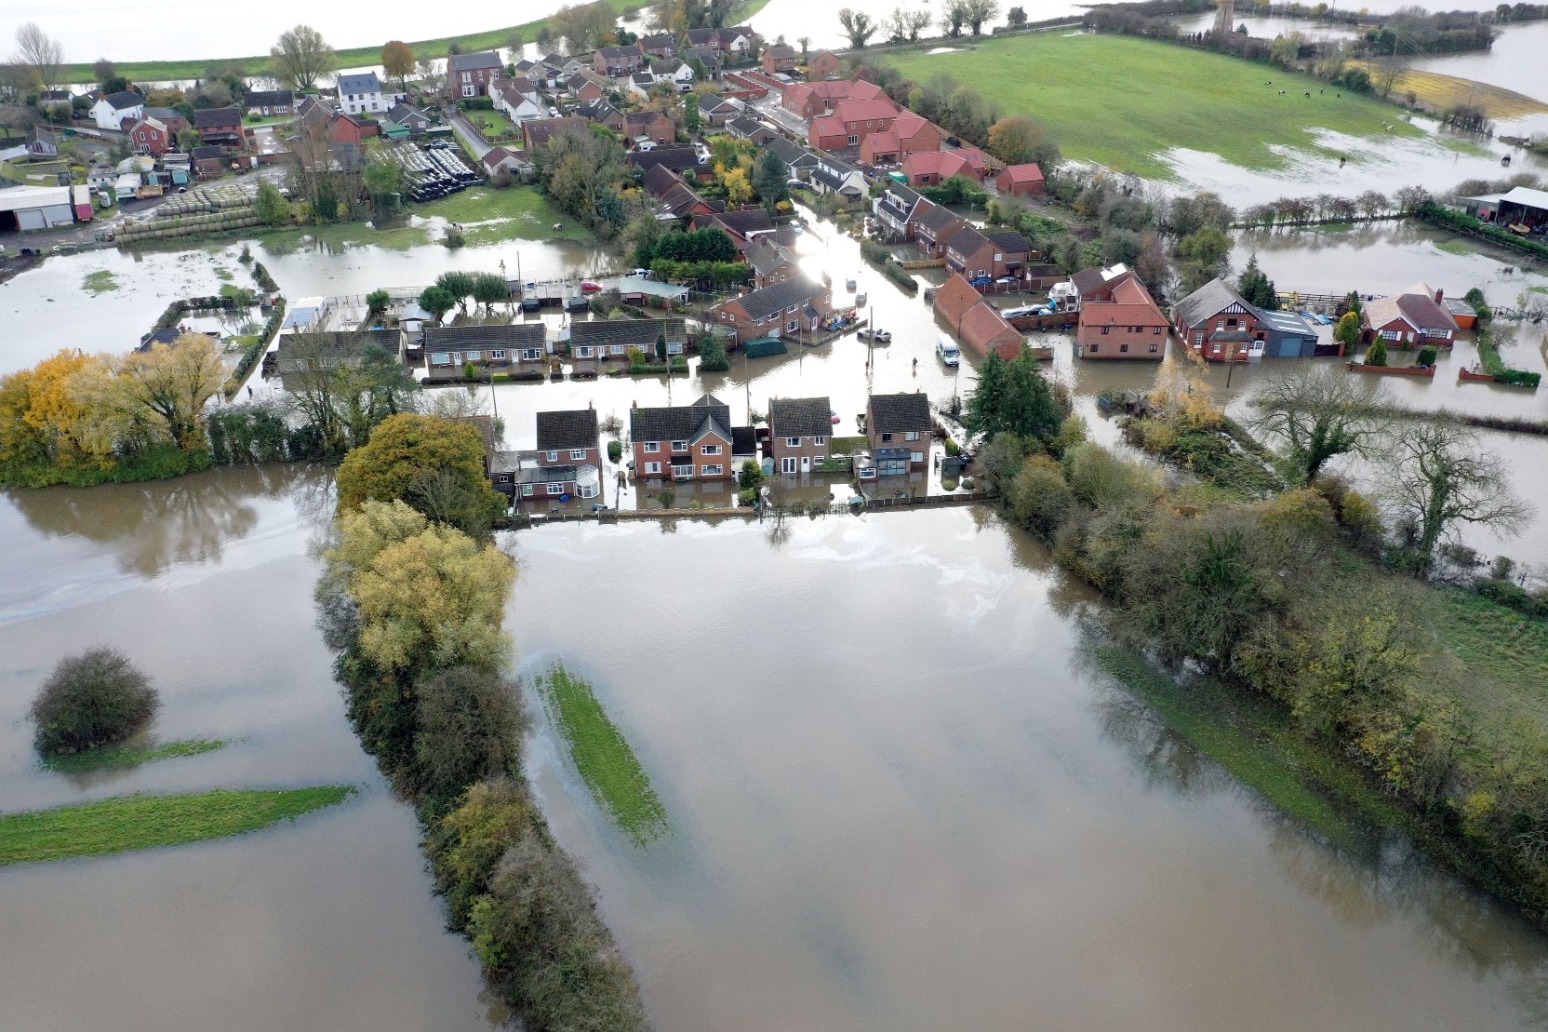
{"x":934,"y":813}
{"x":1514,"y":63}
{"x":329,"y":922}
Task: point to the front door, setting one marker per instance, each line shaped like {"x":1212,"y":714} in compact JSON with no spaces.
{"x":806,"y":464}
{"x":787,"y":464}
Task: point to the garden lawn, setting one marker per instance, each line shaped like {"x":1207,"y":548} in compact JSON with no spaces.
{"x":603,"y":756}
{"x":518,"y":213}
{"x":148,"y":821}
{"x":1125,"y":102}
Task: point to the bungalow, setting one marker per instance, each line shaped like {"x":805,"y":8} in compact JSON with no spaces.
{"x":602,"y":113}
{"x":323,"y":350}
{"x":824,"y":65}
{"x":746,"y":127}
{"x":538,"y":131}
{"x":799,"y":162}
{"x":606,"y":339}
{"x":685,"y":442}
{"x":741,"y":226}
{"x":410,"y":118}
{"x":268,"y":103}
{"x":771,"y":262}
{"x":715,"y":111}
{"x":932,"y":168}
{"x":649,"y":125}
{"x":933,"y":226}
{"x":513,"y":163}
{"x":221,"y":126}
{"x":151,"y":136}
{"x":1020,"y":181}
{"x":1414,"y":318}
{"x":899,"y":427}
{"x":616,"y":61}
{"x":469,"y":75}
{"x":981,"y":258}
{"x":568,"y":436}
{"x":894,"y":210}
{"x":1127,"y":324}
{"x":115,"y":109}
{"x":832,"y":175}
{"x":679,"y":200}
{"x":800,"y":430}
{"x":780,"y":60}
{"x":795,"y":305}
{"x":497,"y":348}
{"x":361,"y":94}
{"x":682,"y":160}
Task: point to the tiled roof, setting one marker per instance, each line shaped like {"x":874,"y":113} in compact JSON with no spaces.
{"x":761,"y":304}
{"x":953,"y":300}
{"x":900,"y":414}
{"x":1023,"y":174}
{"x":677,"y":159}
{"x":567,"y":428}
{"x":766,"y":255}
{"x":270,"y":98}
{"x":335,"y":344}
{"x":1131,"y":306}
{"x":966,"y":240}
{"x":983,"y":328}
{"x":792,"y":155}
{"x":496,"y":335}
{"x":738,"y":223}
{"x":682,"y":422}
{"x":124,"y":100}
{"x":470,"y":62}
{"x":936,"y":219}
{"x":363,"y":82}
{"x":639,"y":333}
{"x":1009,"y":241}
{"x":1209,"y":300}
{"x":801,"y":417}
{"x":217,"y":118}
{"x":744,"y":440}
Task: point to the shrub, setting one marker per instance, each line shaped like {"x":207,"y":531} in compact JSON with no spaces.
{"x":90,"y":700}
{"x":469,"y":726}
{"x":747,"y":497}
{"x":1377,"y":355}
{"x":1039,"y":497}
{"x":1428,"y":354}
{"x":614,"y":450}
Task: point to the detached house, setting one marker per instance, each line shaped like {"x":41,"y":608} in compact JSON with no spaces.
{"x":1020,"y":181}
{"x":831,"y":175}
{"x":677,"y":198}
{"x":469,"y":75}
{"x":691,"y":442}
{"x":850,"y":121}
{"x":796,"y":305}
{"x":649,"y":126}
{"x":362,"y":95}
{"x":1220,"y":326}
{"x":779,"y":60}
{"x":1127,"y":323}
{"x":932,"y":168}
{"x":116,"y":109}
{"x":616,"y":61}
{"x":825,"y":65}
{"x":607,"y":339}
{"x":508,"y":98}
{"x":538,"y":131}
{"x":151,"y":136}
{"x":771,"y":262}
{"x":268,"y":103}
{"x":800,"y":430}
{"x":899,"y":427}
{"x":221,"y":127}
{"x":1414,"y":318}
{"x":660,"y":45}
{"x":499,"y":348}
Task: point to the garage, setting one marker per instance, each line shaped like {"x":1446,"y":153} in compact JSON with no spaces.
{"x":35,"y":207}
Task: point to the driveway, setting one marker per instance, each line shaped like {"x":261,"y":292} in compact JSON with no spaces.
{"x":469,"y":136}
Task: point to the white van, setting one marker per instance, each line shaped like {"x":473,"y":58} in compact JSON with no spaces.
{"x":947,"y":349}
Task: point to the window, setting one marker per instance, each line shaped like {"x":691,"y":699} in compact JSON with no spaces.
{"x":652,"y":446}
{"x":792,"y":326}
{"x":682,"y":472}
{"x":1092,"y":349}
{"x":652,"y":468}
{"x":584,"y":351}
{"x":475,"y":356}
{"x":526,"y":490}
{"x":818,"y":442}
{"x":886,"y":438}
{"x":1154,"y":348}
{"x":787,"y":465}
{"x":552,"y":456}
{"x":577,"y":454}
{"x":792,"y":442}
{"x":497,"y":356}
{"x":710,"y":449}
{"x":854,"y":141}
{"x":912,"y":435}
{"x":531,"y":354}
{"x":712,"y":470}
{"x":440,"y":358}
{"x":1123,"y":348}
{"x":679,"y":446}
{"x":618,"y":349}
{"x":1106,"y":330}
{"x":1157,"y":330}
{"x":1198,"y":338}
{"x":556,"y":489}
{"x":917,"y":458}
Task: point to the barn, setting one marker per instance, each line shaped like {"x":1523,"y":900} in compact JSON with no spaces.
{"x":35,"y":207}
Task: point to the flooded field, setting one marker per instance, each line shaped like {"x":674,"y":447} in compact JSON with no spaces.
{"x":204,"y":583}
{"x":920,"y":807}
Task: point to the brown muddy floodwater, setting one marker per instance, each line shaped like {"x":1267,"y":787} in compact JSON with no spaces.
{"x":902,"y":798}
{"x":327,"y":923}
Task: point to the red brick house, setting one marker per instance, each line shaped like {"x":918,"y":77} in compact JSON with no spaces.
{"x":976,"y":255}
{"x":810,"y":99}
{"x":469,"y":75}
{"x":652,"y":125}
{"x":984,"y":329}
{"x":771,"y":262}
{"x":496,"y":348}
{"x":779,"y":60}
{"x":823,"y":66}
{"x":1412,"y":319}
{"x":850,"y":121}
{"x":910,"y":134}
{"x":669,"y":189}
{"x":899,"y":427}
{"x":660,"y":45}
{"x":221,"y":127}
{"x":1020,"y":181}
{"x":1129,"y":325}
{"x":151,"y":136}
{"x":800,"y":433}
{"x":953,"y":300}
{"x":537,"y":132}
{"x":686,"y":442}
{"x":932,"y":168}
{"x":1216,"y":322}
{"x":933,"y":225}
{"x":793,"y":306}
{"x":568,"y":437}
{"x":743,"y":227}
{"x":616,"y":61}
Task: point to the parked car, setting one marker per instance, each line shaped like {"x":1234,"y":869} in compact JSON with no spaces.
{"x":590,"y":287}
{"x":947,"y":350}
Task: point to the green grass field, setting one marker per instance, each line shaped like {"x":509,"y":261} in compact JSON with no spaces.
{"x":149,"y":822}
{"x":1124,"y":101}
{"x":519,"y":213}
{"x":603,"y":756}
{"x":1505,"y":653}
{"x":123,"y":758}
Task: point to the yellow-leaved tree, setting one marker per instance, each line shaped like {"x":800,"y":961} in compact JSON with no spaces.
{"x":170,"y":384}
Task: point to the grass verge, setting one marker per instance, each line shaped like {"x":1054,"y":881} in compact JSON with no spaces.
{"x":603,"y":756}
{"x":149,"y":822}
{"x":1169,"y":96}
{"x":123,"y":758}
{"x":354,"y":57}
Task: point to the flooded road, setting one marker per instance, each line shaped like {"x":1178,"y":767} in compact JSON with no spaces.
{"x":329,"y":922}
{"x":920,"y":807}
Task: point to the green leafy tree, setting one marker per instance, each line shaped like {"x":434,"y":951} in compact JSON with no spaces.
{"x":770,"y":179}
{"x":490,"y":289}
{"x":89,"y":700}
{"x":1256,"y":288}
{"x":1013,"y":397}
{"x":301,"y":57}
{"x":383,"y":178}
{"x":377,"y":302}
{"x":270,"y":204}
{"x":1319,"y":414}
{"x":712,"y":356}
{"x":1347,"y":332}
{"x":458,"y":284}
{"x":661,"y":347}
{"x":437,"y":301}
{"x":402,"y":460}
{"x":858,"y":26}
{"x":1377,"y":354}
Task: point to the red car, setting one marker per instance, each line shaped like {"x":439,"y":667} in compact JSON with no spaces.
{"x":589,"y":287}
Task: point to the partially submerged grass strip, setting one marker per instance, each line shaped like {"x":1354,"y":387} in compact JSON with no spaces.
{"x":150,"y":821}
{"x":123,"y":758}
{"x":603,"y":756}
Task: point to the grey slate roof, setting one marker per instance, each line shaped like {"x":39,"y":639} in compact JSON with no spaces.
{"x":566,"y":429}
{"x":801,"y":417}
{"x":331,"y":347}
{"x":745,"y":125}
{"x":744,"y":440}
{"x":1009,"y":240}
{"x":362,"y":82}
{"x":468,"y":62}
{"x":499,"y":335}
{"x":797,"y":290}
{"x":934,"y":218}
{"x":682,"y":422}
{"x":1209,"y":300}
{"x":795,"y":157}
{"x":268,"y":98}
{"x":217,"y":118}
{"x":900,"y":414}
{"x":639,"y":333}
{"x":741,"y":223}
{"x":545,"y":475}
{"x":123,"y":100}
{"x":766,"y":255}
{"x":966,"y":240}
{"x":678,"y":159}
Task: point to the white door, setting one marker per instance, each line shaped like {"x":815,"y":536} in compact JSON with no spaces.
{"x":806,"y":464}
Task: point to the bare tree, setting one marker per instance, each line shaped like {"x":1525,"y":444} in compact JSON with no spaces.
{"x":36,"y":49}
{"x":858,"y":26}
{"x":977,"y":12}
{"x":1319,"y":413}
{"x":301,"y":57}
{"x":1436,"y":480}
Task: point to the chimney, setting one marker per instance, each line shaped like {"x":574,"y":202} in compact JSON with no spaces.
{"x":1440,"y":296}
